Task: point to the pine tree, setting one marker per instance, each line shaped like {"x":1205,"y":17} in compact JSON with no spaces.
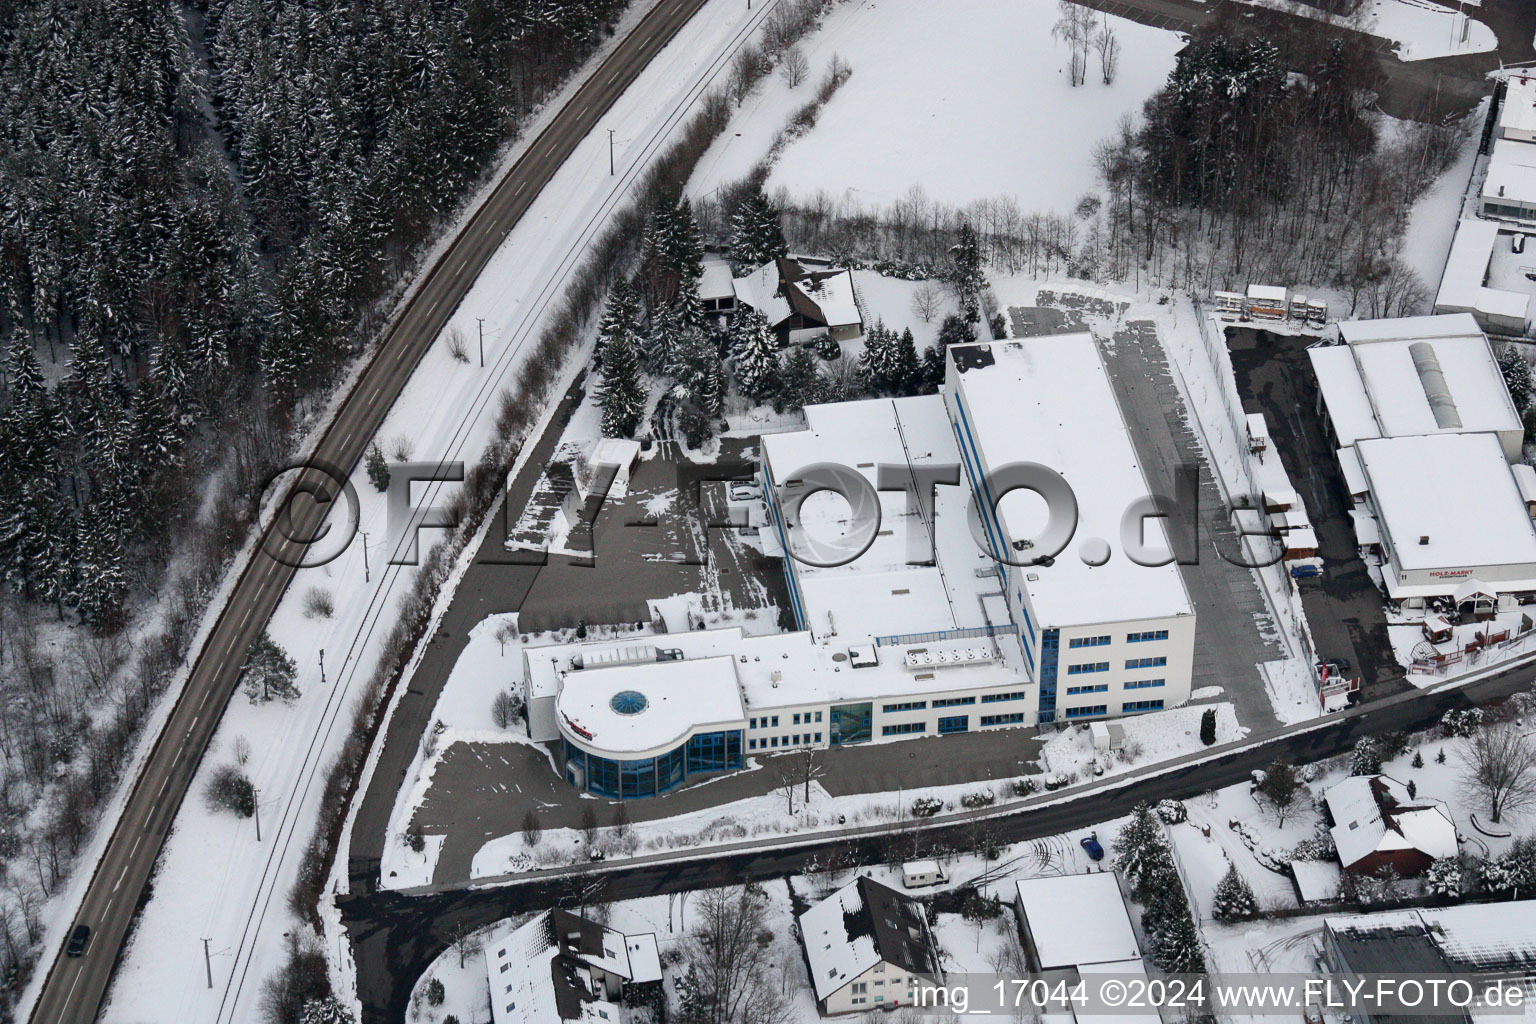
{"x":1208,"y":727}
{"x":1366,"y":758}
{"x":327,"y":1010}
{"x":754,"y":354}
{"x":1517,"y":375}
{"x":622,"y":393}
{"x":954,"y":330}
{"x":699,"y":377}
{"x":1418,"y":759}
{"x":905,"y":372}
{"x":1177,"y":948}
{"x":376,"y":467}
{"x":890,"y":361}
{"x":965,"y":274}
{"x":756,"y":233}
{"x":1443,"y":878}
{"x":100,"y":584}
{"x":1233,"y":899}
{"x":799,"y":381}
{"x":620,"y":316}
{"x":664,"y":335}
{"x":1279,"y":787}
{"x":1137,"y":843}
{"x":269,"y":672}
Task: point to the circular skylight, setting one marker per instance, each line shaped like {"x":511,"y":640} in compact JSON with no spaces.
{"x":628,"y":702}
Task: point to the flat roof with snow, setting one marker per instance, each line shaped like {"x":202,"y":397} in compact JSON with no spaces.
{"x":1078,"y":920}
{"x":1462,"y":287}
{"x":1511,"y":173}
{"x":638,"y":707}
{"x":1454,"y":489}
{"x":1049,"y":401}
{"x":1519,"y":110}
{"x":1416,"y":375}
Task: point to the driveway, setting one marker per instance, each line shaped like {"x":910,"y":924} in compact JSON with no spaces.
{"x":1345,"y":609}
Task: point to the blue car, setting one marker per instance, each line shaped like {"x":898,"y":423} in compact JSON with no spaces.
{"x":1305,"y":572}
{"x":1091,"y":845}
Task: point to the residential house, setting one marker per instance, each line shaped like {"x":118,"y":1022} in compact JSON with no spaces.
{"x":1377,"y":825}
{"x":561,"y":967}
{"x":866,"y":945}
{"x":802,"y":304}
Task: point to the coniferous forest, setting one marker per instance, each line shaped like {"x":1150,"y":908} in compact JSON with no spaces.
{"x":206,"y":209}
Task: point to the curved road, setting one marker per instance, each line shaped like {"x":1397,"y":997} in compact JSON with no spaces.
{"x":75,"y":987}
{"x":396,"y":935}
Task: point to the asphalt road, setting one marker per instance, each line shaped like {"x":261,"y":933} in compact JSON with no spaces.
{"x":395,"y":936}
{"x":75,"y":987}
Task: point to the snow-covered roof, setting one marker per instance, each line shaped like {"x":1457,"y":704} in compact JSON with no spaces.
{"x":1525,"y":480}
{"x":1354,"y":476}
{"x":1267,"y":292}
{"x":1474,"y":937}
{"x":716,"y":282}
{"x":1519,"y":110}
{"x":780,"y":288}
{"x":775,"y":670}
{"x":833,"y":295}
{"x":760,"y":290}
{"x":1078,"y":920}
{"x":1414,"y":375}
{"x":915,"y":868}
{"x":533,"y":981}
{"x":636,"y":708}
{"x":884,"y":592}
{"x":1511,"y":172}
{"x":644,"y":957}
{"x":1367,"y":533}
{"x":1048,"y":401}
{"x":1316,"y":880}
{"x":860,"y":925}
{"x":1374,"y":813}
{"x":1462,"y":287}
{"x":1478,"y":519}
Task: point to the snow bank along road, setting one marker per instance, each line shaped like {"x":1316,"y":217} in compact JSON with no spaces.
{"x":397,"y":935}
{"x":74,"y":987}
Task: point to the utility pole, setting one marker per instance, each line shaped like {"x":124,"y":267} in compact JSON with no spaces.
{"x":366,"y":578}
{"x":322,"y":666}
{"x":610,"y":134}
{"x":208,"y":962}
{"x":481,"y":321}
{"x":256,"y":802}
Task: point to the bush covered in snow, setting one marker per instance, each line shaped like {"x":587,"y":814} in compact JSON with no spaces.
{"x":1234,"y":899}
{"x":980,"y":798}
{"x":1444,"y":878}
{"x":1462,"y":721}
{"x":926,"y":807}
{"x":1172,"y":811}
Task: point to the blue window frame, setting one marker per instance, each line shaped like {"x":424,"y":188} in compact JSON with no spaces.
{"x":1144,"y":684}
{"x":993,"y":698}
{"x":1028,"y":623}
{"x":1016,"y":718}
{"x":955,"y":723}
{"x":911,"y":705}
{"x":1088,"y":641}
{"x":1050,"y":650}
{"x":1146,"y":635}
{"x":904,"y":729}
{"x":1088,"y":666}
{"x":1142,"y":705}
{"x":1095,"y":688}
{"x":1152,"y":662}
{"x":1087,"y":712}
{"x":953,"y":702}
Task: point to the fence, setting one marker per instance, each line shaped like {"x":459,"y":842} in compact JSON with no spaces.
{"x":1478,"y":655}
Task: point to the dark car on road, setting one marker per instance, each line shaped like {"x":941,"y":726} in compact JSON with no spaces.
{"x":78,"y":940}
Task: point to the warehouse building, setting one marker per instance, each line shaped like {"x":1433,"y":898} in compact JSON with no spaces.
{"x":1427,"y":434}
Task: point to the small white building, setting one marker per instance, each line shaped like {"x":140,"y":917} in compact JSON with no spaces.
{"x":1509,"y":190}
{"x":919,"y":873}
{"x":1464,"y":284}
{"x":1517,"y":116}
{"x":866,"y":946}
{"x":1078,"y":923}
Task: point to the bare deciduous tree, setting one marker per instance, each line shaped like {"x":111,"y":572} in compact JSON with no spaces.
{"x":730,"y":957}
{"x":1500,"y":769}
{"x":588,"y":823}
{"x":1108,"y":46}
{"x":926,"y":299}
{"x":458,"y":346}
{"x":1074,"y":26}
{"x":793,"y":67}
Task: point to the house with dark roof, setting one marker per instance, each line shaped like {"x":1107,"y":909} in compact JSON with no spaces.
{"x":562,"y":967}
{"x":802,"y":304}
{"x":1377,"y":825}
{"x":866,"y":946}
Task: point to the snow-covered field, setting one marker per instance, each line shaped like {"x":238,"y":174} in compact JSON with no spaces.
{"x":968,"y":99}
{"x":214,"y":879}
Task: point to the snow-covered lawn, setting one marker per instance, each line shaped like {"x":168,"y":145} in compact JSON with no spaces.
{"x":1420,"y":29}
{"x":969,"y":99}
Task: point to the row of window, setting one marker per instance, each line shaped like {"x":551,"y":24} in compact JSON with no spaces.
{"x":1157,"y":662}
{"x":955,"y":723}
{"x":1088,"y":711}
{"x":1142,"y":705}
{"x":1016,"y":718}
{"x":1088,"y":666}
{"x":920,"y":705}
{"x":772,"y":721}
{"x":795,"y":740}
{"x":1091,"y":710}
{"x":1084,"y":668}
{"x":904,"y":729}
{"x":953,"y":702}
{"x":993,"y":698}
{"x":911,"y":705}
{"x":1073,"y":691}
{"x":1144,"y":684}
{"x":1146,"y":635}
{"x":1088,"y":641}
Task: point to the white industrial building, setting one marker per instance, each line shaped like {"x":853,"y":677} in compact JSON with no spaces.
{"x":927,"y":632}
{"x":1427,"y":434}
{"x":1517,"y":117}
{"x":1464,"y":287}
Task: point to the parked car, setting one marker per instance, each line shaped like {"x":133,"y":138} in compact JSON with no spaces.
{"x":1091,"y":846}
{"x":1517,"y":242}
{"x":78,"y":940}
{"x":744,"y":492}
{"x":1305,"y":572}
